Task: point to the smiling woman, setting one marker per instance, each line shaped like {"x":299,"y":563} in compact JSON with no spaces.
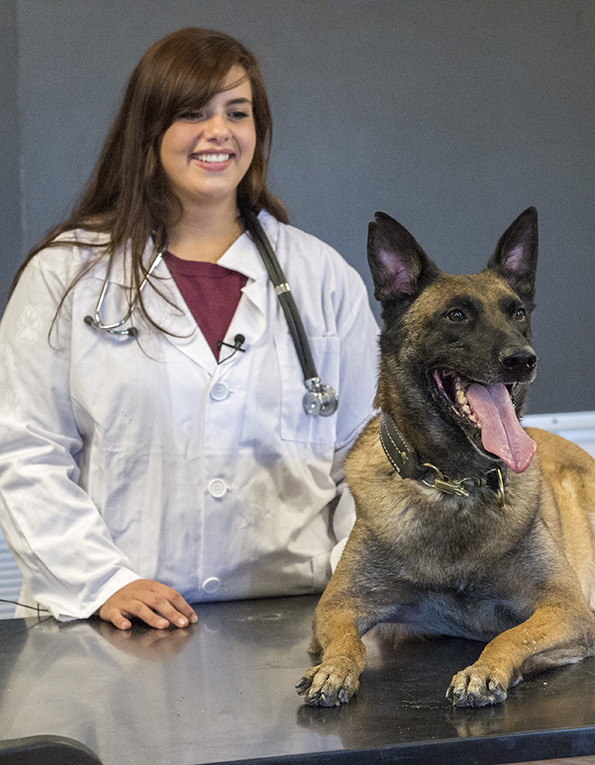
{"x":170,"y":461}
{"x":205,"y":154}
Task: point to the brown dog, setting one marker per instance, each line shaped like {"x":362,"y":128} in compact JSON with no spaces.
{"x":459,"y":530}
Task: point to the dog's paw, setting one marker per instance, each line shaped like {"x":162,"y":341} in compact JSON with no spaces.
{"x":329,"y":685}
{"x":478,"y":687}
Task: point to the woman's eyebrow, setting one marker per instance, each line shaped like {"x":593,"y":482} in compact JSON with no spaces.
{"x":239,"y":101}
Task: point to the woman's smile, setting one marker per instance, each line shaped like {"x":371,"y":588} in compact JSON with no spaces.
{"x":213,"y":161}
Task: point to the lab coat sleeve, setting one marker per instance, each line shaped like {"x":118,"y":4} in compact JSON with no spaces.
{"x":359,"y":377}
{"x":57,"y":535}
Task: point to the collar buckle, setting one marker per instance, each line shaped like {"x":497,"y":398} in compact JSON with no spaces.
{"x":444,"y":484}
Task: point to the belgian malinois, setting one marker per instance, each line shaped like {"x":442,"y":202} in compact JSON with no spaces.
{"x":467,"y":524}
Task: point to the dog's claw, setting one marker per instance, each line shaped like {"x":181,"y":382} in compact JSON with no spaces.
{"x":302,"y":685}
{"x":476,"y":687}
{"x":329,"y":685}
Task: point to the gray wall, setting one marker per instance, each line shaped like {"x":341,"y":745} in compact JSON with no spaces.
{"x":11,"y":250}
{"x":451,"y":115}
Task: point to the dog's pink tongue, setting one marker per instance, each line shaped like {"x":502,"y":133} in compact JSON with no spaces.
{"x":501,"y":432}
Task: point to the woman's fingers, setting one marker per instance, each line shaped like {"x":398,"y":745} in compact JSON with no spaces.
{"x":154,"y":603}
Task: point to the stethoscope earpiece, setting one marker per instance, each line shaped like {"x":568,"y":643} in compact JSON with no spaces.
{"x":130,"y":332}
{"x":114,"y":329}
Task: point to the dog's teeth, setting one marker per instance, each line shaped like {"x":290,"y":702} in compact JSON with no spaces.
{"x":463,"y":402}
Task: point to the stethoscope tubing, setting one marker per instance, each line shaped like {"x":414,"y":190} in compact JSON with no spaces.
{"x":285,"y":297}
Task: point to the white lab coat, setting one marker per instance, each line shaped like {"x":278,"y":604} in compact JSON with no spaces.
{"x":123,"y":458}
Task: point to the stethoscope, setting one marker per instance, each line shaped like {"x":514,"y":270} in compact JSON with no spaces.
{"x":114,"y":329}
{"x":320,"y":399}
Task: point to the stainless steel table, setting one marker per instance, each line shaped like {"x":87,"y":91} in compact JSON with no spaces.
{"x":222,"y":691}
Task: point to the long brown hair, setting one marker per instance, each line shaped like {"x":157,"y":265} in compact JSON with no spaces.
{"x":127,"y":195}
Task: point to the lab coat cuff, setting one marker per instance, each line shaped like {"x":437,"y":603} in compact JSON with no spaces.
{"x":120,"y":579}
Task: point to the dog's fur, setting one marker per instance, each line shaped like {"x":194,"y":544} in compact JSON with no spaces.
{"x":519,"y":573}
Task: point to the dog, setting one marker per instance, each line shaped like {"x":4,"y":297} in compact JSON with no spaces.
{"x":467,"y":524}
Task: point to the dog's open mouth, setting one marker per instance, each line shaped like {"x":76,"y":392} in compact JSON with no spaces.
{"x":488,"y":411}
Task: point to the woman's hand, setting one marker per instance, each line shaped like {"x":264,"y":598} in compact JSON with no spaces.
{"x":156,"y":604}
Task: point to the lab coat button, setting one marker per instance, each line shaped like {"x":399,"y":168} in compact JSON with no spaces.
{"x":217,"y":487}
{"x":211,"y":585}
{"x":219,"y":391}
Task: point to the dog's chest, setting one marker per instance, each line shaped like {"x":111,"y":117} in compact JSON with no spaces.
{"x":440,"y":539}
{"x":473,"y":611}
{"x":420,"y":522}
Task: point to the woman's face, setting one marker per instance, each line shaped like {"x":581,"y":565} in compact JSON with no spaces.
{"x":206,"y":153}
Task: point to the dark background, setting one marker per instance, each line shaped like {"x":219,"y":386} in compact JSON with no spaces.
{"x":452,"y":116}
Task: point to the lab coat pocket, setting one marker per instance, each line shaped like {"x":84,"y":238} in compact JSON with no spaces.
{"x":296,"y":425}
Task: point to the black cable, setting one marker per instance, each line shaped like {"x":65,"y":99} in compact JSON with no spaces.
{"x":24,"y":605}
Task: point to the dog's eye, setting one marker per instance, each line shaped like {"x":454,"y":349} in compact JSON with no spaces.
{"x":456,"y":315}
{"x":520,"y":314}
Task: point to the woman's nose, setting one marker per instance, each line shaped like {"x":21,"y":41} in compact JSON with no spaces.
{"x":216,"y":127}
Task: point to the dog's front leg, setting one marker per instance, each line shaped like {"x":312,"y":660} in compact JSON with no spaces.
{"x":554,"y":635}
{"x":336,"y":678}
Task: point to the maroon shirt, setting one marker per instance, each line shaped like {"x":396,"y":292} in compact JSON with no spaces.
{"x":210,"y":291}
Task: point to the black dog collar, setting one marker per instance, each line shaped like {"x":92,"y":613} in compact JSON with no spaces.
{"x":404,"y":459}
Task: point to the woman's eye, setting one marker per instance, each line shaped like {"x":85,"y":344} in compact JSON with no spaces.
{"x":520,"y":314}
{"x":238,"y":115}
{"x":456,"y":315}
{"x":191,"y":116}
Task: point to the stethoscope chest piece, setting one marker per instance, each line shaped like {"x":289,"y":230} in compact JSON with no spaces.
{"x":320,"y":400}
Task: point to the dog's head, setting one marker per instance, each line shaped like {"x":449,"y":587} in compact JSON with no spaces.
{"x":456,"y":349}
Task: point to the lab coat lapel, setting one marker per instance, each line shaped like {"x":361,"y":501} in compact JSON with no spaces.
{"x":171,"y":314}
{"x":166,"y":306}
{"x":250,"y":316}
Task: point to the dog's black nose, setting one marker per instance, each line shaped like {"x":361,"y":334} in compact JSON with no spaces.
{"x":518,"y":363}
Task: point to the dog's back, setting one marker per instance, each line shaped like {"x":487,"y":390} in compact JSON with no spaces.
{"x":568,"y":502}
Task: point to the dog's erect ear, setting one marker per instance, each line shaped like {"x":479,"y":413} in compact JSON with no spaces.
{"x":515,"y":258}
{"x":399,"y":266}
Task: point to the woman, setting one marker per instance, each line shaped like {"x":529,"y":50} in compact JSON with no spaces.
{"x":170,"y":460}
